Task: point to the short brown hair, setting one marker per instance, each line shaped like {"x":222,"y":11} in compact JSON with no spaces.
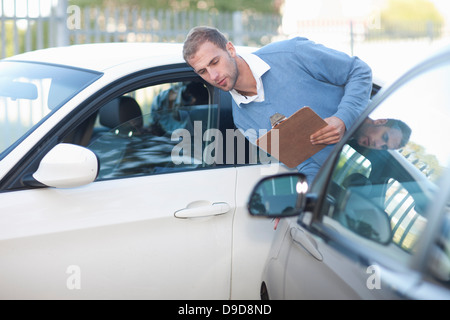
{"x":198,"y":36}
{"x":403,"y":127}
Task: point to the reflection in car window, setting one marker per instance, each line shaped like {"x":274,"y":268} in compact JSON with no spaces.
{"x":440,"y":252}
{"x":407,"y":223}
{"x":350,"y":163}
{"x":30,"y":91}
{"x":153,"y":130}
{"x":394,"y":173}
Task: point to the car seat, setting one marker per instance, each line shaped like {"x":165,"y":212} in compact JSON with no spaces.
{"x":120,"y":110}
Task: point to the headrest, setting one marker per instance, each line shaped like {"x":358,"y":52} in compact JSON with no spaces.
{"x":119,"y":111}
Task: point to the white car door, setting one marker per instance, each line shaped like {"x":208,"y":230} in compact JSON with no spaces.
{"x":156,"y":224}
{"x":120,"y":239}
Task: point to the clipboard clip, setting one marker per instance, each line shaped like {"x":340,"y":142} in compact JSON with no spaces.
{"x":276,"y":119}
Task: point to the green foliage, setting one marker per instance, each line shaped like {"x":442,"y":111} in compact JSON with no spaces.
{"x":266,"y":6}
{"x":411,"y":11}
{"x":411,"y":19}
{"x":15,"y":38}
{"x":421,"y":159}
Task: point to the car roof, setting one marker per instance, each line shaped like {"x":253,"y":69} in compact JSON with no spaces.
{"x":103,"y":56}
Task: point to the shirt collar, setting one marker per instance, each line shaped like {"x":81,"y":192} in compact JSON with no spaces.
{"x":258,"y":68}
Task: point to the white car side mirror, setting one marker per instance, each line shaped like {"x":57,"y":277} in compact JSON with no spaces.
{"x":67,"y":166}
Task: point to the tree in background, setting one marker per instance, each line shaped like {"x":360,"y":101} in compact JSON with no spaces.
{"x":425,"y":162}
{"x":411,"y":19}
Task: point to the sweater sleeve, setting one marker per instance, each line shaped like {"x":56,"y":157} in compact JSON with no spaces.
{"x":337,"y":68}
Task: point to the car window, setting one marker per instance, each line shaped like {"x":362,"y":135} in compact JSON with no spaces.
{"x":439,"y":266}
{"x":156,"y":129}
{"x":407,"y":222}
{"x":30,"y":91}
{"x":390,"y":170}
{"x":351,"y":164}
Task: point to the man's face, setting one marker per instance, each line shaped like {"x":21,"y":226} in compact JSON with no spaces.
{"x":216,"y":66}
{"x":378,"y":136}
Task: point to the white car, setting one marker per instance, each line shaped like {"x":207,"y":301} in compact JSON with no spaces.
{"x":103,"y":198}
{"x":375,"y":223}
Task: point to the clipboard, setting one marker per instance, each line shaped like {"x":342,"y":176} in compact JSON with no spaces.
{"x":293,"y":136}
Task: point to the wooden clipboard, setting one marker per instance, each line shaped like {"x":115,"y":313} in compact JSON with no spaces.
{"x":293,"y":137}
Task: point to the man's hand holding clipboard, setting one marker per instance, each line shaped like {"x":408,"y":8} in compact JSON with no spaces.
{"x":290,"y":140}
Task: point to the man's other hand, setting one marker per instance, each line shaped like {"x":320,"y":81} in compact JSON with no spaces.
{"x":330,"y":134}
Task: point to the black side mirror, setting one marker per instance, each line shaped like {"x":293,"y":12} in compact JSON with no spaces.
{"x":279,"y":196}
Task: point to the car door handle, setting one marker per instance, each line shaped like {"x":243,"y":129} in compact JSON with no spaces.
{"x":306,"y":242}
{"x":202,"y":210}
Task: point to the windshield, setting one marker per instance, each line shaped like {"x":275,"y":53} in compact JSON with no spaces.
{"x":31,"y":91}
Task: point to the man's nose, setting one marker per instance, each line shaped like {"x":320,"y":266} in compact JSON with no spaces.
{"x":213,"y":74}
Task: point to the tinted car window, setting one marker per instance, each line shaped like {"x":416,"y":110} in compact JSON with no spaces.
{"x":157,"y":129}
{"x":391,"y":170}
{"x":439,"y":266}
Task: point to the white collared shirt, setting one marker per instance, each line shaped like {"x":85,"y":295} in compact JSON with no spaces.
{"x":258,"y":68}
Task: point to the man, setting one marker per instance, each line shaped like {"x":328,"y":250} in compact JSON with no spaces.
{"x":383,"y":134}
{"x":283,"y":77}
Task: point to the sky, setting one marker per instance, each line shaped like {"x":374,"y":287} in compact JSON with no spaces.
{"x":22,"y":10}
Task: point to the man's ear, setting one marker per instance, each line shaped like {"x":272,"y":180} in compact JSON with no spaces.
{"x":231,"y":49}
{"x":380,"y":121}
